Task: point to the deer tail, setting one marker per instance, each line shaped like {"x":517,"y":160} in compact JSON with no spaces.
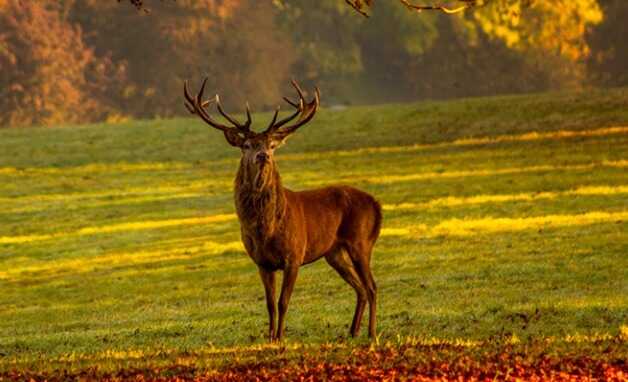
{"x":377,"y":226}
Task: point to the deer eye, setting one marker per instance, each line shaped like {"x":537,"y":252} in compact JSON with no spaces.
{"x":247,"y":145}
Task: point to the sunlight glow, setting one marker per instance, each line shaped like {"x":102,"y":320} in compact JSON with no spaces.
{"x":389,"y":179}
{"x":452,"y":227}
{"x":87,"y":264}
{"x":489,"y":225}
{"x":526,"y":137}
{"x":62,"y":203}
{"x":191,"y":189}
{"x":156,"y":193}
{"x":93,"y":168}
{"x":152,"y":224}
{"x":456,"y":227}
{"x":122,"y":227}
{"x":453,"y":201}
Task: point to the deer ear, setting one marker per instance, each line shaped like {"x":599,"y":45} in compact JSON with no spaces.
{"x":234,"y":139}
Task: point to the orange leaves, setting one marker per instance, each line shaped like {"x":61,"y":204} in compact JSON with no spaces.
{"x":533,"y":362}
{"x":555,"y":27}
{"x":44,"y":61}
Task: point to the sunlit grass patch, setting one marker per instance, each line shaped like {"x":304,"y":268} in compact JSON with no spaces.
{"x":136,"y":258}
{"x":95,"y":168}
{"x":121,"y":227}
{"x":24,"y":239}
{"x":453,"y":227}
{"x":132,"y":226}
{"x":492,"y":225}
{"x":99,"y":202}
{"x":389,"y":179}
{"x":452,"y":201}
{"x":526,"y":137}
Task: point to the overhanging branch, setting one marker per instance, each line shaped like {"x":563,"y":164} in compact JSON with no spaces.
{"x":360,"y":6}
{"x":442,"y":8}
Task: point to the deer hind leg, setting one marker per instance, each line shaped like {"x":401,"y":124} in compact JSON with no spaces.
{"x":268,"y":279}
{"x":341,"y":262}
{"x":361,"y":257}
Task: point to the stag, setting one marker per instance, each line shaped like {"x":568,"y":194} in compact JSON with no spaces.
{"x":282,"y":229}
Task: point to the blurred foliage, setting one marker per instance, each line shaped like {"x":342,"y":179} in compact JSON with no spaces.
{"x":47,"y":73}
{"x":88,"y":60}
{"x":551,"y":34}
{"x":609,"y":59}
{"x":557,"y":26}
{"x":189,"y":40}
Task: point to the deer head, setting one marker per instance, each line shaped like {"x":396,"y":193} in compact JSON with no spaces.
{"x":257,"y":148}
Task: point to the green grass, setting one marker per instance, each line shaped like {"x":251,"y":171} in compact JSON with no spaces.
{"x":75,"y":282}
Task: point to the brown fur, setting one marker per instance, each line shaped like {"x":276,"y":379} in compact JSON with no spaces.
{"x":282,"y":229}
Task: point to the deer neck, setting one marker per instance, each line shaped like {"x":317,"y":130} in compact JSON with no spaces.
{"x":260,"y":200}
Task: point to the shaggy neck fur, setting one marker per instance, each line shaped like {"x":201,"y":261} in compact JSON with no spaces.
{"x":260,"y":200}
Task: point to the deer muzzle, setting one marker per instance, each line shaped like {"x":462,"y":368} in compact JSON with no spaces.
{"x":262,"y":158}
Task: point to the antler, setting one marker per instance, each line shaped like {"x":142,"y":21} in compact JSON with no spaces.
{"x":197,"y":106}
{"x":305,"y":112}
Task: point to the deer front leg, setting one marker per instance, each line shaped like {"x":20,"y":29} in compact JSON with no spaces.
{"x":287,"y":285}
{"x":268,"y":279}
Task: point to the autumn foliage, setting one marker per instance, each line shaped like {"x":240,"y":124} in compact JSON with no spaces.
{"x":45,"y":67}
{"x":91,"y":60}
{"x":385,"y":363}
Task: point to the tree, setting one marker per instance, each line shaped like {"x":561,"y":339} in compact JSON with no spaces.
{"x":234,"y":43}
{"x":47,"y":74}
{"x":609,"y":59}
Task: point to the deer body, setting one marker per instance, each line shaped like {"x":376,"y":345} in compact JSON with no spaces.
{"x":283,"y":229}
{"x":308,"y":224}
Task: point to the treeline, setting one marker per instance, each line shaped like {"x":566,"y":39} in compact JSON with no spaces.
{"x":74,"y":61}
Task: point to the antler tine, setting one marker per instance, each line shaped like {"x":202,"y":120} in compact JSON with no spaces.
{"x":196,"y":106}
{"x":294,"y":104}
{"x":188,"y":98}
{"x":229,"y":118}
{"x":285,"y":120}
{"x":301,"y":97}
{"x":272,"y":123}
{"x":306,"y":116}
{"x":299,"y":106}
{"x":298,"y":88}
{"x":299,"y":109}
{"x":305,"y":110}
{"x":247,"y":124}
{"x":199,"y":97}
{"x":190,"y":108}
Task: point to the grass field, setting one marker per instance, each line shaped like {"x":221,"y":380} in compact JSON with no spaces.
{"x":506,"y":220}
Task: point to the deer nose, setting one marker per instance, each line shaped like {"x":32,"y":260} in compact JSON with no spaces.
{"x":261,"y":157}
